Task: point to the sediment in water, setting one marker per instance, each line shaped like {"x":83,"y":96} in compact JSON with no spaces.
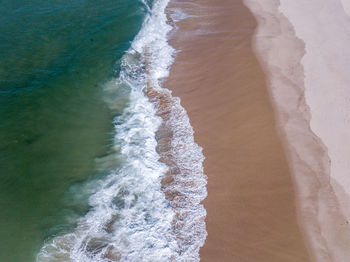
{"x":184,"y":184}
{"x":136,"y":213}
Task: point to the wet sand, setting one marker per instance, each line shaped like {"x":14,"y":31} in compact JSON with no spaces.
{"x":251,"y":210}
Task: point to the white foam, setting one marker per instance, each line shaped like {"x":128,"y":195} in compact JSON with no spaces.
{"x":130,"y":218}
{"x":189,"y":186}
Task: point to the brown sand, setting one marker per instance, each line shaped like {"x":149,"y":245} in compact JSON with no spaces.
{"x":250,"y":204}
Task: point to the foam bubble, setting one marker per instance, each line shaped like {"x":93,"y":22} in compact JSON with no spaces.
{"x":132,"y":217}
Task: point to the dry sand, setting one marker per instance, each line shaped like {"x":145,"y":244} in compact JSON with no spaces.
{"x":318,"y":151}
{"x":325,"y":28}
{"x":250,"y":204}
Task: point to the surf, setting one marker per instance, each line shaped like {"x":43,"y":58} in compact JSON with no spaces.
{"x":136,"y":212}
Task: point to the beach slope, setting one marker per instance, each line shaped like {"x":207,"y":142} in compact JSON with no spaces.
{"x":251,"y":211}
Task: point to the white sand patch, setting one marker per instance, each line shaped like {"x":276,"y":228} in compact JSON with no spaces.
{"x":346,"y":5}
{"x":325,"y":28}
{"x":313,"y":111}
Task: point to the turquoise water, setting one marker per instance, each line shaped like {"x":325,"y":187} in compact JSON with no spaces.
{"x":56,"y":57}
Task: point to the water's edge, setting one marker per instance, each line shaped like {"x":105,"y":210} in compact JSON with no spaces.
{"x":150,"y":208}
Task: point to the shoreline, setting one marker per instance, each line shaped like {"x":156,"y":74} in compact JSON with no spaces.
{"x":320,"y":199}
{"x":251,"y":201}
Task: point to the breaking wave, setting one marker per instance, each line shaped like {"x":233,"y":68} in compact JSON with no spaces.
{"x":147,"y":208}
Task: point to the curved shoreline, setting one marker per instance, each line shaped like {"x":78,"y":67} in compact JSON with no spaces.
{"x":133,"y":215}
{"x":250,"y":204}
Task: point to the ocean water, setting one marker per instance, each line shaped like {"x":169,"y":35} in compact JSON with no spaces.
{"x":81,"y":170}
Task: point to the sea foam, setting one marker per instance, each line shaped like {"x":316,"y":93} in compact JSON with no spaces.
{"x":134,"y":214}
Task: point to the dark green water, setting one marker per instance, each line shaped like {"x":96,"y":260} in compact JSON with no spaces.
{"x":55,"y":57}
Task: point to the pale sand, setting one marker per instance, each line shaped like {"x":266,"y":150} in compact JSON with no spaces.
{"x":319,"y":155}
{"x":250,"y":205}
{"x":346,"y":6}
{"x":325,"y":28}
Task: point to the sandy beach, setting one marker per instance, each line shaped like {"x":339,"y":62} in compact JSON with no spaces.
{"x":303,"y":47}
{"x":175,"y":131}
{"x":265,"y":85}
{"x":251,"y":210}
